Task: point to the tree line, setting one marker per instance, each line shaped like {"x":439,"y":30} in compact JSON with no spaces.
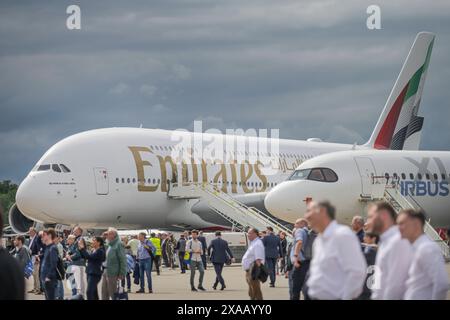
{"x":7,"y":197}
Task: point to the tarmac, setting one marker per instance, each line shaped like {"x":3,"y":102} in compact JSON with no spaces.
{"x":172,"y":285}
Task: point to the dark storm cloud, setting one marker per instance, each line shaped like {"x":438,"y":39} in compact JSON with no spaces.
{"x":311,"y":68}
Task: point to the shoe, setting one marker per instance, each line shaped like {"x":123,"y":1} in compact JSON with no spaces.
{"x":40,"y":292}
{"x":215,"y":286}
{"x":193,"y":289}
{"x":140,"y":291}
{"x":272,"y":285}
{"x":201,"y":288}
{"x":150,"y":291}
{"x":31,"y":291}
{"x":223,"y":287}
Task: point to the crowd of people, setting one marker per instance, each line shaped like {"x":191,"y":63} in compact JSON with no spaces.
{"x":112,"y":262}
{"x":385,"y":257}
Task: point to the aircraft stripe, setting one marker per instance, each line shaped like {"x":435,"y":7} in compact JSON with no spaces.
{"x":385,"y":138}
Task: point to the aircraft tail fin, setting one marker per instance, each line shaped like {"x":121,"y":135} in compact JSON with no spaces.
{"x":399,"y":127}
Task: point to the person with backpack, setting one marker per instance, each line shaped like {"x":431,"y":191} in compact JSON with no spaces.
{"x":94,"y":267}
{"x":49,"y":271}
{"x":181,"y":249}
{"x":300,"y":264}
{"x":146,"y":253}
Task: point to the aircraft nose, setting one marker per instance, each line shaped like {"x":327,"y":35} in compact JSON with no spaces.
{"x":283,"y":201}
{"x":27,"y":197}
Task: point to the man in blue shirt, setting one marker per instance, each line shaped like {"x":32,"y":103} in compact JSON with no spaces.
{"x":49,"y":264}
{"x":145,"y":254}
{"x":300,"y":265}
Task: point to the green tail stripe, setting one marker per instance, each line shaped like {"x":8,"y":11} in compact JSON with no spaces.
{"x":414,"y":82}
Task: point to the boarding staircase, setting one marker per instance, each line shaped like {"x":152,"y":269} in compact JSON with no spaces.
{"x":388,"y":189}
{"x":240,"y":216}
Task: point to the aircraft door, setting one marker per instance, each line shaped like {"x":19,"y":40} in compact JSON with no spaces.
{"x":101,"y":181}
{"x":366,"y":170}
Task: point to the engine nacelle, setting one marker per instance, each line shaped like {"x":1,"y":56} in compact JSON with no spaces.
{"x":19,"y":223}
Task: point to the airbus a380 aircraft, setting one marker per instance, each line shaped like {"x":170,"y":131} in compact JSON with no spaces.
{"x":344,"y":178}
{"x":118,"y":176}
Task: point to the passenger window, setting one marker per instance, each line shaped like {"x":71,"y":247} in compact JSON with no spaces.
{"x":403,"y":176}
{"x":435,"y":176}
{"x":419,"y":176}
{"x":43,"y":167}
{"x":64,"y":168}
{"x":443,"y":176}
{"x":330,"y":175}
{"x":411,"y":176}
{"x":56,"y":168}
{"x":427,"y":175}
{"x":316,"y":175}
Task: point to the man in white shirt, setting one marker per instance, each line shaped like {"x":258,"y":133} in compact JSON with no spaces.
{"x":427,"y":277}
{"x":255,"y":255}
{"x":338,"y":267}
{"x":394,"y":254}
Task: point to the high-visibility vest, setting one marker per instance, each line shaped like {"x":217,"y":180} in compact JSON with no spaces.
{"x":157,"y":243}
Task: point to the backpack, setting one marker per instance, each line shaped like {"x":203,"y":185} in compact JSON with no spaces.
{"x":29,"y":268}
{"x":188,"y":254}
{"x":130,"y":263}
{"x":307,"y":248}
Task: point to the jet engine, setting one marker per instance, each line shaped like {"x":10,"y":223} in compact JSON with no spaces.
{"x":19,"y":223}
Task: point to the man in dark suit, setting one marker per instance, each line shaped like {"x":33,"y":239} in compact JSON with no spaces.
{"x":202,"y":239}
{"x":272,"y":245}
{"x":220,"y":254}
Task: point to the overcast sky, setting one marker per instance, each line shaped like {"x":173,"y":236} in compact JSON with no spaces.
{"x":311,"y":68}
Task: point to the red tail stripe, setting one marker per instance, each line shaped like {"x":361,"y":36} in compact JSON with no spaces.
{"x":384,"y":137}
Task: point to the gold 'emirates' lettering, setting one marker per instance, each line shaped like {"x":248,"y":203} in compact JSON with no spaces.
{"x":163,"y":161}
{"x":169,"y":172}
{"x":246,"y":176}
{"x":221,"y":174}
{"x":140,"y":164}
{"x":262,"y":177}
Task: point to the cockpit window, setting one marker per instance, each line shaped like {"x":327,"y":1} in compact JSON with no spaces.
{"x":300,"y":174}
{"x":56,"y":168}
{"x":315,"y":174}
{"x":330,"y":175}
{"x":43,"y":167}
{"x":64,"y":168}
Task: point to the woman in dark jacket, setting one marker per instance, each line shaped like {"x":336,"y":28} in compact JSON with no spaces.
{"x":94,"y":266}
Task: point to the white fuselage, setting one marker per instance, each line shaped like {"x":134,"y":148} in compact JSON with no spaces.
{"x":118,"y":176}
{"x":422,"y":177}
